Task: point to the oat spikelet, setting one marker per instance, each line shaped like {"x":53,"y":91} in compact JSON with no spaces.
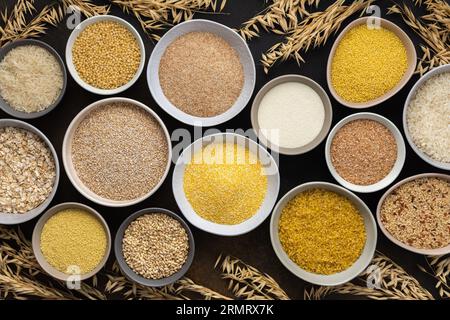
{"x":280,"y":17}
{"x":247,"y":282}
{"x":312,"y":32}
{"x":394,"y":284}
{"x":433,"y":28}
{"x":86,"y":7}
{"x":439,"y":267}
{"x":157,"y":15}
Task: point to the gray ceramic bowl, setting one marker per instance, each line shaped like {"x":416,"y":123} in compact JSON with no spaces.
{"x":16,"y":218}
{"x":24,"y":115}
{"x":338,"y":278}
{"x":36,"y":241}
{"x":428,"y":252}
{"x":133,"y":276}
{"x":439,"y":70}
{"x":326,"y":104}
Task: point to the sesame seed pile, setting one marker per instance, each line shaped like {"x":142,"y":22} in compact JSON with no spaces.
{"x":27,"y":170}
{"x":367,"y":64}
{"x":73,"y":238}
{"x":322,"y":231}
{"x":201,"y":74}
{"x":225,"y":184}
{"x":119,"y":151}
{"x":417,"y":213}
{"x":155,"y":245}
{"x":106,"y":55}
{"x":363,"y":152}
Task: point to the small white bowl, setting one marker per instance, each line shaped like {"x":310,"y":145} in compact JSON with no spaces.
{"x":334,"y":279}
{"x":273,"y":185}
{"x":36,"y":241}
{"x":67,"y":154}
{"x":16,"y":218}
{"x":71,"y":66}
{"x":229,"y":35}
{"x":411,"y":95}
{"x":396,"y":169}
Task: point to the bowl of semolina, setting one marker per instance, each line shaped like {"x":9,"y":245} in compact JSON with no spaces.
{"x":323,"y":233}
{"x":71,"y":242}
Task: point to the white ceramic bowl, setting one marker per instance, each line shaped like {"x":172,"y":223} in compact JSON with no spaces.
{"x":16,"y":218}
{"x":228,"y":35}
{"x":410,"y":52}
{"x":69,"y":60}
{"x":398,"y":165}
{"x":328,"y":113}
{"x":70,"y":169}
{"x":273,"y":185}
{"x":334,"y":279}
{"x":428,"y":252}
{"x":36,"y":241}
{"x":411,"y":95}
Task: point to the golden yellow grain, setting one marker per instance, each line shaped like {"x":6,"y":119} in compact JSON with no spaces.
{"x":106,"y":55}
{"x":367,"y":64}
{"x":225,"y":183}
{"x":322,"y":231}
{"x":73,"y":237}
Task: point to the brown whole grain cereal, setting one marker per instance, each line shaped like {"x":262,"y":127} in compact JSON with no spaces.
{"x":417,"y":213}
{"x":27,"y":170}
{"x":201,"y":74}
{"x":363,"y":152}
{"x":155,"y":245}
{"x":119,"y":151}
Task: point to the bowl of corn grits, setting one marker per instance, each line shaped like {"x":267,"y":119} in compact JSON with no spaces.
{"x":323,"y":233}
{"x":71,"y":242}
{"x":370,"y":61}
{"x":105,"y":55}
{"x":225,"y":184}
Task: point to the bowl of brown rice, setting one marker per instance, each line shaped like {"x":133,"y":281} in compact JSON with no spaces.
{"x":426,"y":117}
{"x":201,"y":72}
{"x":415,"y":214}
{"x":117,"y":152}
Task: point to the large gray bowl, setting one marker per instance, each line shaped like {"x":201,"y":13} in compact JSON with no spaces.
{"x":133,"y":276}
{"x":16,"y":218}
{"x":24,"y":115}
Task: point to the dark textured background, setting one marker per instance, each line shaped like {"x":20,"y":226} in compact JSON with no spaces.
{"x":255,"y":247}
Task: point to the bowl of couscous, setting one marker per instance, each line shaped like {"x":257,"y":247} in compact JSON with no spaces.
{"x":323,"y":233}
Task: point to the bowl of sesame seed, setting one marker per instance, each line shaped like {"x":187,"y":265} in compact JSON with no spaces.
{"x":105,"y":54}
{"x":117,"y":152}
{"x":365,"y":152}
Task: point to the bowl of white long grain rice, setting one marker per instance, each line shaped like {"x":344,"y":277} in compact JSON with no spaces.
{"x":426,"y":117}
{"x":32,"y":79}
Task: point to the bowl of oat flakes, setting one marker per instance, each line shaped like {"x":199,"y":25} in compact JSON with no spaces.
{"x":29,"y":172}
{"x":415,"y":214}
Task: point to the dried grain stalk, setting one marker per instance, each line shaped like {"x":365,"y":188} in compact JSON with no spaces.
{"x":280,"y":17}
{"x":312,"y":32}
{"x":394,"y":283}
{"x":157,"y":15}
{"x":439,"y":268}
{"x":433,"y":28}
{"x":247,"y":282}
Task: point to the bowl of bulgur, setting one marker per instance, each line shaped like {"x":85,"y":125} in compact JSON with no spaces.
{"x":29,"y":171}
{"x":117,"y":152}
{"x":323,"y":233}
{"x":415,"y":214}
{"x":105,"y":54}
{"x":154,"y":247}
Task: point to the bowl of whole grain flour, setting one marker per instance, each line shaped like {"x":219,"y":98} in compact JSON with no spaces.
{"x":117,"y":152}
{"x":202,"y":73}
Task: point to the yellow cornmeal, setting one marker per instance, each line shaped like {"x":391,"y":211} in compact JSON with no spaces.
{"x":367,"y":64}
{"x":322,"y":231}
{"x":73,"y":237}
{"x":225,"y":183}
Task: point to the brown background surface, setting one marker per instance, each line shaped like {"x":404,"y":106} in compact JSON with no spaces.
{"x":255,"y":247}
